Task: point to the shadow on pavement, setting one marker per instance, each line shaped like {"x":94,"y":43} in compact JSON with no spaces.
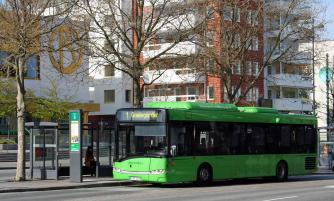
{"x":249,"y":181}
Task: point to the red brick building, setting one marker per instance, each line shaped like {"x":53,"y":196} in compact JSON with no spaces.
{"x":240,"y":23}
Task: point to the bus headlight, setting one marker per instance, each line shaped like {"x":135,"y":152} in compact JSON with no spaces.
{"x":117,"y":169}
{"x":158,"y":171}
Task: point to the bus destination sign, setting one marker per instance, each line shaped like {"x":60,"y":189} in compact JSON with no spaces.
{"x":137,"y":115}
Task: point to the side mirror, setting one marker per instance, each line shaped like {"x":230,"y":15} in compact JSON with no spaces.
{"x":173,"y":150}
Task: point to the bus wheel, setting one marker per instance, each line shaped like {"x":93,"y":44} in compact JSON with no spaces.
{"x":281,"y":172}
{"x":204,"y":175}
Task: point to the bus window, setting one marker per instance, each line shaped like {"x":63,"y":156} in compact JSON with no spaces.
{"x":300,"y":138}
{"x":285,"y":140}
{"x":259,"y":139}
{"x":142,"y":140}
{"x":310,"y":139}
{"x":203,"y":138}
{"x":181,"y":138}
{"x":222,"y":141}
{"x":272,"y":139}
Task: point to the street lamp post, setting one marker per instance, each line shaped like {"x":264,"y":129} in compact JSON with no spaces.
{"x":313,"y":66}
{"x":327,"y":95}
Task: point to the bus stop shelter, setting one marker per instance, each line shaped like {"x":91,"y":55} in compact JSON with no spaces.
{"x":49,"y":148}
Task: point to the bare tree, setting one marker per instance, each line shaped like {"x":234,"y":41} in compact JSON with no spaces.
{"x":233,"y":47}
{"x":23,"y":25}
{"x":132,"y":36}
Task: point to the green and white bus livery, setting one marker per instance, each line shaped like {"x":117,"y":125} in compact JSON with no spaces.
{"x":173,"y":142}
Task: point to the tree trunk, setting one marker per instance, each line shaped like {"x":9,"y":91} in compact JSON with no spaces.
{"x":139,"y":96}
{"x":20,"y":165}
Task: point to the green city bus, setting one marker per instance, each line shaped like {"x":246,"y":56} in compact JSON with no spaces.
{"x":174,"y":142}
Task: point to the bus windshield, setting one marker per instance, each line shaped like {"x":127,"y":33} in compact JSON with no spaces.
{"x":142,"y":140}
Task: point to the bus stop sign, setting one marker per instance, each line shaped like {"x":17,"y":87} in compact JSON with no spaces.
{"x":75,"y":146}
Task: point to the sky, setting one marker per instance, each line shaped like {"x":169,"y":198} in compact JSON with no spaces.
{"x":329,"y":17}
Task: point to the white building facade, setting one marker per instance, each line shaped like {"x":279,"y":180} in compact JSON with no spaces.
{"x":288,"y":80}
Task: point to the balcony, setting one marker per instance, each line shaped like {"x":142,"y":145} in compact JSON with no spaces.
{"x":292,"y":104}
{"x":173,"y":76}
{"x":291,"y":57}
{"x":161,"y":2}
{"x":180,"y":49}
{"x":290,"y":80}
{"x":188,"y":98}
{"x":176,"y":23}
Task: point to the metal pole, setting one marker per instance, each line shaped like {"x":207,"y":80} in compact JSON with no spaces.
{"x":98,"y":150}
{"x":327,"y":95}
{"x":313,"y":66}
{"x":56,"y":150}
{"x":31,"y":153}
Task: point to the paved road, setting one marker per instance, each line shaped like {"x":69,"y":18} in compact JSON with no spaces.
{"x":305,"y":188}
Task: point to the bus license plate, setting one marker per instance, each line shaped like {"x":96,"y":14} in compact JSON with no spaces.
{"x":135,"y":179}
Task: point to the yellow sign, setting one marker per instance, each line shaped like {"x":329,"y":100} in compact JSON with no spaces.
{"x":65,"y":40}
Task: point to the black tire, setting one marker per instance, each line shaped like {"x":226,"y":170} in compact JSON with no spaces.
{"x":281,"y":172}
{"x":204,"y":175}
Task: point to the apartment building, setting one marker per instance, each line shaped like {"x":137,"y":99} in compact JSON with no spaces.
{"x":98,"y":89}
{"x":289,"y":76}
{"x":184,"y":79}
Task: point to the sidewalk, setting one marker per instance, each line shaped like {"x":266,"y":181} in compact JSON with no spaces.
{"x":323,"y":170}
{"x":44,"y":185}
{"x":10,"y":165}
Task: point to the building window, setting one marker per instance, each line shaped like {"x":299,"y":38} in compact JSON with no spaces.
{"x":128,"y":96}
{"x":227,"y":12}
{"x":236,"y":41}
{"x":269,"y":70}
{"x":255,"y":68}
{"x":238,"y":93}
{"x":210,"y":65}
{"x":255,"y":44}
{"x":33,"y":64}
{"x":192,"y":93}
{"x":211,"y":92}
{"x":237,"y":14}
{"x":231,"y":13}
{"x":209,"y":38}
{"x":249,"y":17}
{"x":236,"y":67}
{"x":253,"y":94}
{"x":269,"y":94}
{"x":109,"y":71}
{"x":249,"y":67}
{"x":91,"y":94}
{"x":210,"y":11}
{"x":109,"y":96}
{"x":252,"y":18}
{"x":290,"y":92}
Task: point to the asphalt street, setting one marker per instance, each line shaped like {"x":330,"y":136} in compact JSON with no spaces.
{"x":303,"y":188}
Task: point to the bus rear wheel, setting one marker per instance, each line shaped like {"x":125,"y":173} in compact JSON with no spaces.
{"x":281,"y":172}
{"x":204,"y":175}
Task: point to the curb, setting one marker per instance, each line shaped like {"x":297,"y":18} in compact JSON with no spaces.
{"x":107,"y":184}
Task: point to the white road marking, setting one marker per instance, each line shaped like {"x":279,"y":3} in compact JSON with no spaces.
{"x":281,"y":198}
{"x":329,"y":186}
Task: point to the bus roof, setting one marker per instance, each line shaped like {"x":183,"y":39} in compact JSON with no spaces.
{"x":192,"y":106}
{"x":229,"y":113}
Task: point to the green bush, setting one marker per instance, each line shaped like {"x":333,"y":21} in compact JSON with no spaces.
{"x":7,"y":141}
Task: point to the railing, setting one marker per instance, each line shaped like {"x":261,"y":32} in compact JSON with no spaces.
{"x":173,"y":76}
{"x":303,"y":81}
{"x":292,"y":104}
